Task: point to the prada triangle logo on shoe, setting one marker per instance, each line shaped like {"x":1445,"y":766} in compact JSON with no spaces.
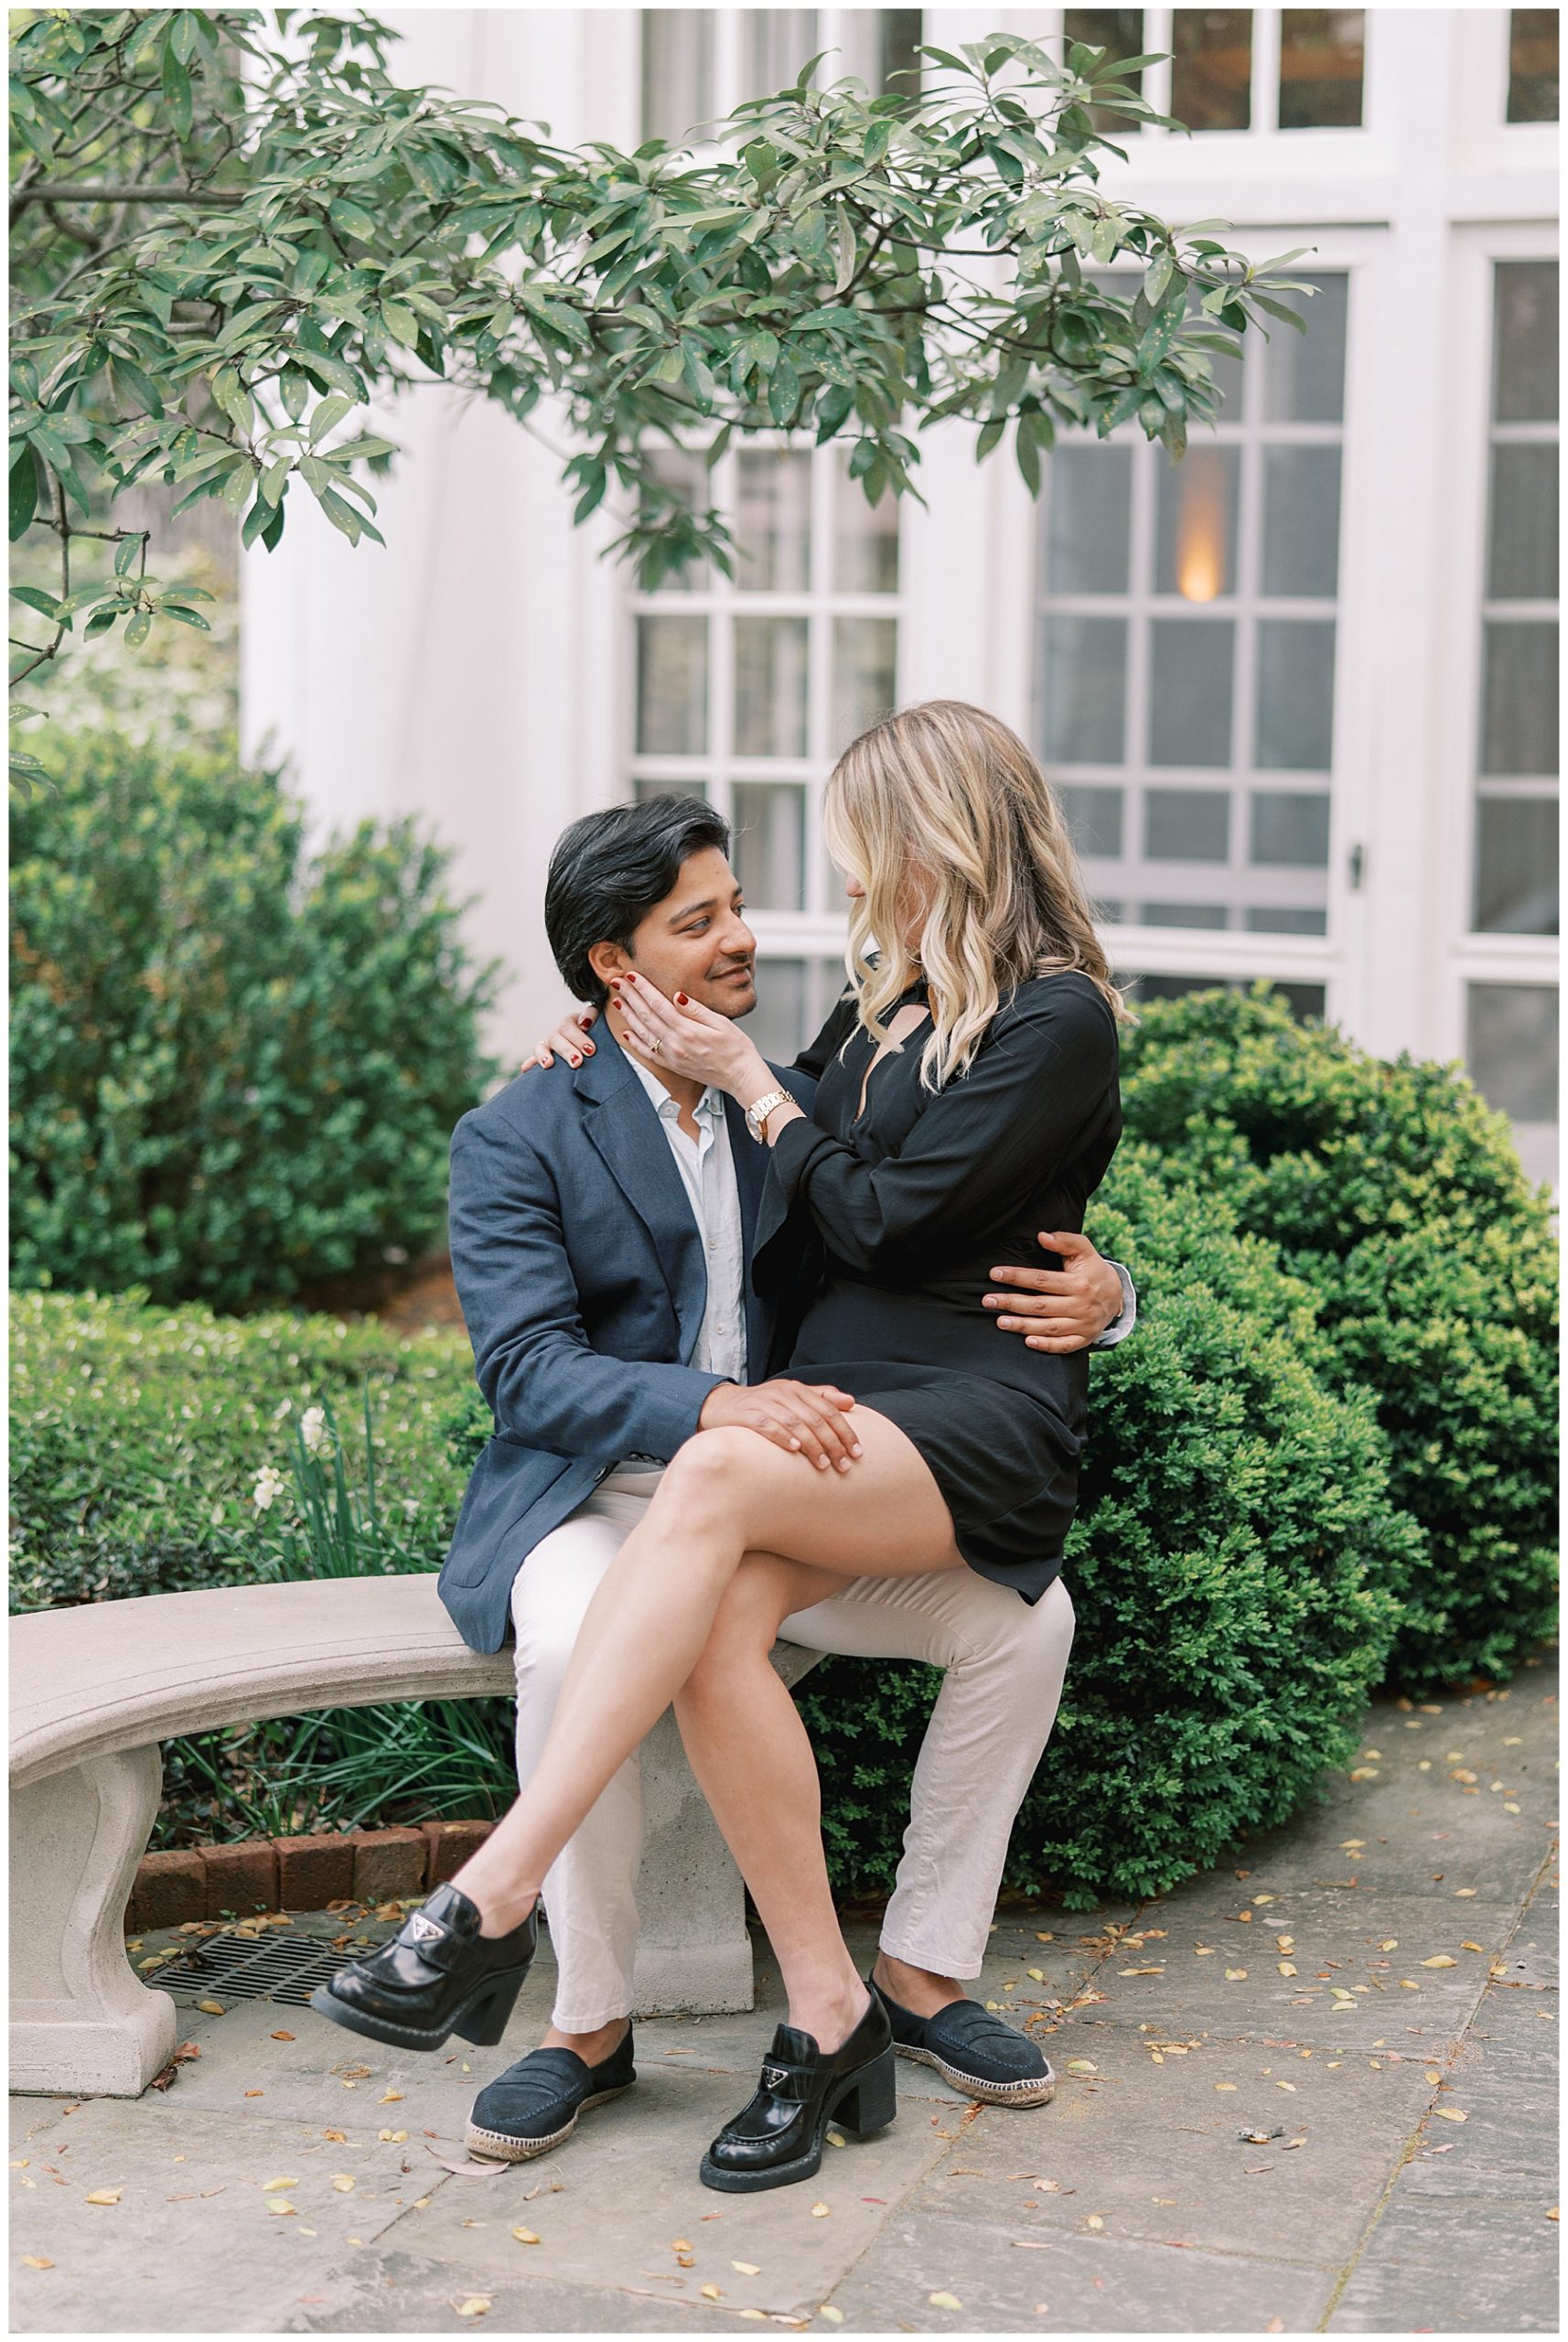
{"x":424,"y":1930}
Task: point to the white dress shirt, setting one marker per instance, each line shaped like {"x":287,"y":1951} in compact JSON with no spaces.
{"x":707,"y":1174}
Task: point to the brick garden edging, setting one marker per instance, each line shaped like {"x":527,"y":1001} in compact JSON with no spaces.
{"x":302,"y":1874}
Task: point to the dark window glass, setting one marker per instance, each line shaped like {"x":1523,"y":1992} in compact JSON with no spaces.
{"x":1322,"y":51}
{"x":1512,"y":1048}
{"x":1532,"y":65}
{"x":1082,"y":672}
{"x":775,"y":44}
{"x":1304,"y":373}
{"x":1211,"y":72}
{"x":780,"y":1023}
{"x":1518,"y":697}
{"x":1094,"y":817}
{"x":1088,"y":517}
{"x":1191,"y":663}
{"x":1305,"y":1000}
{"x":1516,"y":866}
{"x":1208,"y":915}
{"x":1522,"y":537}
{"x":1186,"y":824}
{"x":1524,"y":383}
{"x":1290,"y":829}
{"x":1194,"y":528}
{"x":1268,"y":921}
{"x":1119,"y":30}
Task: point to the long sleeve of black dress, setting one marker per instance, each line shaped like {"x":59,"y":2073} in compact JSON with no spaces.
{"x":1039,"y":1091}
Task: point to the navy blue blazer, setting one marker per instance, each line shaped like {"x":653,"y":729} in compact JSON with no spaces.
{"x":581,"y":1274}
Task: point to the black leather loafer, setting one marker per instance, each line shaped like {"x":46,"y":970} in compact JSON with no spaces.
{"x":438,"y":1976}
{"x":777,"y":2137}
{"x":535,"y":2105}
{"x":977,"y":2052}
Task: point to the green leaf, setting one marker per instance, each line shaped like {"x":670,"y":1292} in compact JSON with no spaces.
{"x":137,"y":631}
{"x":36,"y":598}
{"x":400,"y":323}
{"x":294,"y":390}
{"x":100,"y":622}
{"x":330,"y":411}
{"x":126,"y":554}
{"x":24,"y":491}
{"x":783,"y":389}
{"x":177,"y":92}
{"x":237,"y":486}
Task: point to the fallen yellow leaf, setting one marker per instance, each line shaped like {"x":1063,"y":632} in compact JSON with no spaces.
{"x":1049,"y":1937}
{"x":1224,"y":2084}
{"x":475,"y":2306}
{"x":283,"y":2036}
{"x":1038,"y":1974}
{"x":1287,"y":1967}
{"x":1390,"y":1943}
{"x":37,"y":2260}
{"x":1463,"y":1893}
{"x":681,"y":2244}
{"x":1441,"y":1960}
{"x":525,"y":2236}
{"x":213,"y":2008}
{"x":1094,"y":2221}
{"x":1551,"y":2215}
{"x":1235,"y":1975}
{"x":1471,"y":1947}
{"x":1290,"y":2086}
{"x":386,"y":2099}
{"x":821,"y":2211}
{"x":711,"y":2294}
{"x":343,"y":2182}
{"x":1451,"y":2113}
{"x":944,"y":2301}
{"x":1082,"y":2066}
{"x":1433,"y":2076}
{"x":747,"y":2268}
{"x":267,"y":2184}
{"x":835,"y":2316}
{"x":106,"y":2196}
{"x":835,"y":2139}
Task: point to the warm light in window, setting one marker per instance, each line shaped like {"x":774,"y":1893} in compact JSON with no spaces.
{"x":1201,"y":538}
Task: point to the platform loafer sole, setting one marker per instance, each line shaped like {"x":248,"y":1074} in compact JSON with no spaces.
{"x":482,"y":2018}
{"x":503,"y":2146}
{"x":871,"y":2114}
{"x":1019,"y":2094}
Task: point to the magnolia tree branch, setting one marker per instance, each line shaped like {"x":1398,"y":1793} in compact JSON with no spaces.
{"x":290,"y":234}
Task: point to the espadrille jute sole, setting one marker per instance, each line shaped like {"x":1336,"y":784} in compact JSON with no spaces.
{"x":500,"y":2146}
{"x":1022,"y":2093}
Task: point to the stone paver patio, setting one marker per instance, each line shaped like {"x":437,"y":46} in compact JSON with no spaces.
{"x":1367,"y":2145}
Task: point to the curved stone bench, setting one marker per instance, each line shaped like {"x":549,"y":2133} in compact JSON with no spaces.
{"x":95,"y":1690}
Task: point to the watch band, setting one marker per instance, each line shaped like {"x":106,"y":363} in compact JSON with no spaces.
{"x":757,"y":1114}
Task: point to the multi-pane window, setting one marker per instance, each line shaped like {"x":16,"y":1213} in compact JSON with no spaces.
{"x":1517,"y":787}
{"x":1183,"y":680}
{"x":747,"y":690}
{"x":699,"y":62}
{"x":1532,"y":65}
{"x":1216,"y":61}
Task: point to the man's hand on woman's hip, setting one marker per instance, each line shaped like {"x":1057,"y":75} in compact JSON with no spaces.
{"x":1059,"y":1309}
{"x":809,"y":1419}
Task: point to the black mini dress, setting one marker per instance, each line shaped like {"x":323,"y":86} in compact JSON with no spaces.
{"x":914,"y":1200}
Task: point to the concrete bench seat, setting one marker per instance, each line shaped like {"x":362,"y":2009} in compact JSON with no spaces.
{"x":95,"y":1689}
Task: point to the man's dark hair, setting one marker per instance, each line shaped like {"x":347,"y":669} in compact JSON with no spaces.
{"x":609,"y":869}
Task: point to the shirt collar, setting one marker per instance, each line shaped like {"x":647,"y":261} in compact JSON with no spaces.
{"x":708,"y":1107}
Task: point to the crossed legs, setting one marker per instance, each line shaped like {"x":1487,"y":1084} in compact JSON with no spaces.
{"x":726,"y":1494}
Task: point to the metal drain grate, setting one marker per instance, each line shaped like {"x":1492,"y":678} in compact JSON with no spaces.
{"x":280,"y":1966}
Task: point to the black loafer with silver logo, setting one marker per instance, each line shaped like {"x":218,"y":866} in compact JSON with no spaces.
{"x":437,"y":1976}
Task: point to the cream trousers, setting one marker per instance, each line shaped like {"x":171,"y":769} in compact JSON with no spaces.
{"x":1003,"y":1658}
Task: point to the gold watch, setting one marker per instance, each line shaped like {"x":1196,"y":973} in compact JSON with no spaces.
{"x":757,"y":1115}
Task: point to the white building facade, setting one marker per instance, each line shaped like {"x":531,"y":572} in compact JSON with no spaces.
{"x":1299,"y":692}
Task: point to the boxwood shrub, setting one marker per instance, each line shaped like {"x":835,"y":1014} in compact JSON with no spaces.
{"x":1396,"y":1193}
{"x":236,"y":1065}
{"x":1233,"y":1572}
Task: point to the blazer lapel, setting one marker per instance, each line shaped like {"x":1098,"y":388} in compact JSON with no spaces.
{"x":750,"y":1177}
{"x":625,"y":1129}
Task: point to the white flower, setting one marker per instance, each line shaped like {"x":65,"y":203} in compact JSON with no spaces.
{"x":313,"y":1428}
{"x":269,"y":1484}
{"x":281,"y":1409}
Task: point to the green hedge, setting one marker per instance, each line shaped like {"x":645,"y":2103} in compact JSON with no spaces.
{"x":1395,"y":1191}
{"x":235,"y":1065}
{"x":137,"y":1434}
{"x":1233,"y":1572}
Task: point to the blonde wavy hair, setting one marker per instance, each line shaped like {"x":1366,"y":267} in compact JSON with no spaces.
{"x":947,"y":802}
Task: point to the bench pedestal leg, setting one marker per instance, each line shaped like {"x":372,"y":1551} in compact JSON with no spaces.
{"x":694,"y":1954}
{"x":81,"y":2023}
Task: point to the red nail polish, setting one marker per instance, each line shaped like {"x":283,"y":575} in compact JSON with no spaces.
{"x":682,"y":1001}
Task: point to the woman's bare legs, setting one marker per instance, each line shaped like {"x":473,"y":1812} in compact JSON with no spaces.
{"x":725,"y":1494}
{"x":754,"y":1763}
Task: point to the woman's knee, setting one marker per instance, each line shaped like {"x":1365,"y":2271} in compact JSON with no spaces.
{"x":711,"y":1470}
{"x":744,"y":1630}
